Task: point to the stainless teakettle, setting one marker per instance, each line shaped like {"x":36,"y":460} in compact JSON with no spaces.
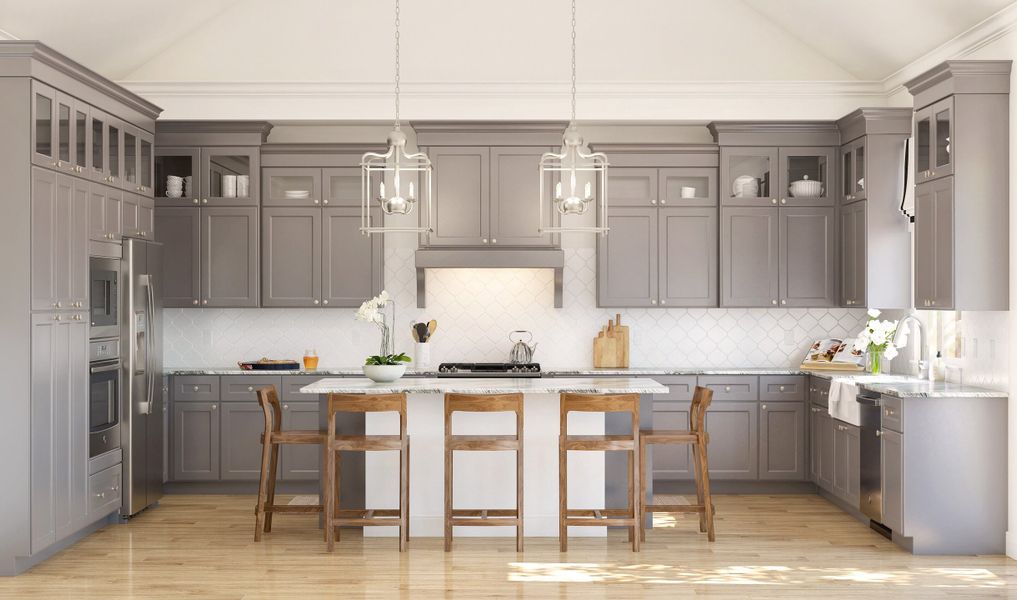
{"x":521,"y":352}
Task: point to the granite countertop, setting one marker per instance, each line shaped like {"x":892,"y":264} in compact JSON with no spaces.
{"x":900,"y":386}
{"x":549,"y":385}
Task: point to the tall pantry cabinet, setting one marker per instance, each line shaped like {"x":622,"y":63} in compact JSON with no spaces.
{"x":76,"y":150}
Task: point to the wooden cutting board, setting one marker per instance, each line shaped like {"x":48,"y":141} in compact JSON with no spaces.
{"x":611,"y":346}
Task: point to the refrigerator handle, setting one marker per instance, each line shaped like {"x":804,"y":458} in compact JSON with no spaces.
{"x":149,"y":330}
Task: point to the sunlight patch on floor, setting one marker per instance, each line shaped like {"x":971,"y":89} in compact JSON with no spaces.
{"x":939,"y":577}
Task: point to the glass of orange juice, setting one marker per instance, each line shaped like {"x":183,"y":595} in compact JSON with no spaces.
{"x":310,"y":360}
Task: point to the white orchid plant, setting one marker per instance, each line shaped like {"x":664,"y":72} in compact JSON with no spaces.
{"x":373,"y":311}
{"x":877,"y":339}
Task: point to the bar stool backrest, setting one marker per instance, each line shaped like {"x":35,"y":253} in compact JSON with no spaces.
{"x":701,"y":400}
{"x":484,"y":403}
{"x":268,"y":398}
{"x":366,"y":403}
{"x":628,"y":403}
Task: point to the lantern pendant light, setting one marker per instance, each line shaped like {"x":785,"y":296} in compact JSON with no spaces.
{"x":576,"y":172}
{"x":400,"y":168}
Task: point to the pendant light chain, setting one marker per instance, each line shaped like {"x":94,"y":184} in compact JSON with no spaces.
{"x":397,"y":63}
{"x":573,"y":122}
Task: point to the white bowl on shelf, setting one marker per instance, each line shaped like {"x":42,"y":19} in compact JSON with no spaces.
{"x":806,"y":188}
{"x":174,"y":193}
{"x":297,"y":194}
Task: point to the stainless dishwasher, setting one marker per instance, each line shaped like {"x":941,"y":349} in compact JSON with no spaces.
{"x":871,"y":460}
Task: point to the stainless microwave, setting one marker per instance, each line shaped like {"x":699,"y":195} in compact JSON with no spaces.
{"x":103,"y":298}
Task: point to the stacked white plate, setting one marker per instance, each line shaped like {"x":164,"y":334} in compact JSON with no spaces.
{"x":187,"y":187}
{"x":174,"y":186}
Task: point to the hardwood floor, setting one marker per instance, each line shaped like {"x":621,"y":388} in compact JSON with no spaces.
{"x":767,"y":547}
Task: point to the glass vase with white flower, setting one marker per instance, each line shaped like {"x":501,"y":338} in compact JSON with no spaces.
{"x":876,"y":339}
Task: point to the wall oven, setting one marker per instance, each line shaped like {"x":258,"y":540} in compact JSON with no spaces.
{"x":103,"y":288}
{"x":103,"y":396}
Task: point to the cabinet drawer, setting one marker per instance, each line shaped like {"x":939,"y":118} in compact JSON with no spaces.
{"x":738,"y":387}
{"x":196,"y":388}
{"x":291,"y":384}
{"x":242,"y":388}
{"x":104,"y":492}
{"x":777,"y":388}
{"x":681,"y":388}
{"x":819,"y":391}
{"x":892,"y":414}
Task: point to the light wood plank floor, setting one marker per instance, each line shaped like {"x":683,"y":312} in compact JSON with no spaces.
{"x":767,"y":547}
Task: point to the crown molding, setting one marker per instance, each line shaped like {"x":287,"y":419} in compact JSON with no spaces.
{"x":6,"y":35}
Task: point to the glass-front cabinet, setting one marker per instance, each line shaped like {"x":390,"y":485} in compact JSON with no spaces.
{"x":114,"y":152}
{"x":230,"y":176}
{"x":176,"y":181}
{"x":43,"y":128}
{"x":146,"y":164}
{"x":687,"y":186}
{"x":933,"y":133}
{"x":852,"y":171}
{"x":292,"y":186}
{"x":805,"y":176}
{"x":80,"y":134}
{"x":130,"y":180}
{"x":784,"y":176}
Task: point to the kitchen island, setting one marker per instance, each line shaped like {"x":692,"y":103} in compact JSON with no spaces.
{"x":484,"y":479}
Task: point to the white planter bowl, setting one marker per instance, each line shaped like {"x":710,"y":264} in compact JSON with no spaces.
{"x":384,"y":373}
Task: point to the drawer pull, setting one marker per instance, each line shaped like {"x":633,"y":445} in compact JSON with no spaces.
{"x":781,"y":388}
{"x":890,"y":412}
{"x":195,"y":388}
{"x":250,"y":388}
{"x":727,"y":388}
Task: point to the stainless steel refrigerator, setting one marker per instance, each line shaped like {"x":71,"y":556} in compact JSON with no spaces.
{"x":142,"y":410}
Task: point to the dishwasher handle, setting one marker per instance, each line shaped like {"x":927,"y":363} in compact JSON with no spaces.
{"x":869,"y":400}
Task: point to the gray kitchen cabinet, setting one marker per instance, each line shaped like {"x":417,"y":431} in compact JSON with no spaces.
{"x":817,"y":431}
{"x":782,"y":388}
{"x":687,"y":256}
{"x":749,"y":256}
{"x":853,"y":254}
{"x":892,"y":479}
{"x":104,"y":213}
{"x":195,"y":388}
{"x":59,"y":426}
{"x":300,"y":462}
{"x":131,"y":152}
{"x":808,"y":257}
{"x":291,"y":255}
{"x":847,"y":462}
{"x":684,"y":186}
{"x":44,"y":128}
{"x":292,"y":186}
{"x":178,"y":229}
{"x":196,"y":450}
{"x":180,"y":162}
{"x":852,"y":170}
{"x":460,"y":211}
{"x":631,"y":186}
{"x":104,"y":492}
{"x":341,"y":186}
{"x":672,"y":462}
{"x":808,"y":163}
{"x":827,"y":451}
{"x":352,"y":263}
{"x":60,"y":226}
{"x":242,"y":424}
{"x":782,"y":452}
{"x":515,"y":197}
{"x":933,"y":132}
{"x":130,"y":220}
{"x":734,"y":438}
{"x":934,"y":239}
{"x":755,"y":169}
{"x":219,"y":164}
{"x":731,"y":387}
{"x":229,"y":257}
{"x":146,"y":217}
{"x":145,"y":163}
{"x":244,"y":388}
{"x":627,"y":258}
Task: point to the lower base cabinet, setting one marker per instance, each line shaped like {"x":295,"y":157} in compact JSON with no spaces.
{"x":835,"y":455}
{"x":891,"y":478}
{"x":195,"y":441}
{"x":734,"y":435}
{"x":782,"y":441}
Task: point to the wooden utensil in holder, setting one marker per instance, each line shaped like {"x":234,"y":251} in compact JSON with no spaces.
{"x":611,"y":346}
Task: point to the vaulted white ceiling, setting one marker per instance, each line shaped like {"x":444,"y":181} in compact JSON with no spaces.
{"x":494,"y":41}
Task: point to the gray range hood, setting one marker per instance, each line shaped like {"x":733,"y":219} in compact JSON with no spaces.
{"x":489,"y":258}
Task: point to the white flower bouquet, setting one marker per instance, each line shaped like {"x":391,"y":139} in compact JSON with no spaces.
{"x":877,"y":340}
{"x":373,"y":311}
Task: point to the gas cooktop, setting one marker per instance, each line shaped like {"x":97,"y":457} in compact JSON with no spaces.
{"x":489,"y":370}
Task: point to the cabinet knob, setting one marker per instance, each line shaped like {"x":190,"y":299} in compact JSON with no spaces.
{"x":324,"y":201}
{"x":194,"y":302}
{"x":780,"y":388}
{"x":324,"y":301}
{"x":204,"y":301}
{"x":286,"y":406}
{"x":484,"y":240}
{"x":727,"y":388}
{"x":316,"y":302}
{"x":932,"y":302}
{"x":494,"y":241}
{"x":763,"y":407}
{"x":204,"y":200}
{"x":663,"y":302}
{"x":214,"y":407}
{"x":654,"y":302}
{"x":654,"y":202}
{"x":773,"y":302}
{"x":783,"y":200}
{"x":933,"y":173}
{"x":879,"y":433}
{"x":195,"y":388}
{"x":316,"y":201}
{"x":56,"y":318}
{"x":250,"y":388}
{"x":195,"y":200}
{"x":663,"y":201}
{"x":773,"y":200}
{"x":783,"y":301}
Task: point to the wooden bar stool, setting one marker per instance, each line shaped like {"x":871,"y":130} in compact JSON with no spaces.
{"x":271,"y":439}
{"x":334,"y":516}
{"x":699,"y":439}
{"x":627,"y":517}
{"x":473,"y":443}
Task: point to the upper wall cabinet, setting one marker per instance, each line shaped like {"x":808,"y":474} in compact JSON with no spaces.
{"x":789,"y":176}
{"x":962,"y":196}
{"x":875,"y":241}
{"x":662,"y":248}
{"x":486,"y":183}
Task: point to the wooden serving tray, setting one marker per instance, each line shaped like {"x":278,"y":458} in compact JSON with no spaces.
{"x":269,"y":365}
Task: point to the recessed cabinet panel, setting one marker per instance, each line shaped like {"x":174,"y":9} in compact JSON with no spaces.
{"x":461,"y":196}
{"x":292,"y":186}
{"x":892,"y":476}
{"x":342,"y":187}
{"x":178,"y":231}
{"x":230,"y":176}
{"x":291,"y":256}
{"x":688,"y":257}
{"x":628,"y":258}
{"x":782,"y":441}
{"x":229,"y":257}
{"x":196,"y":449}
{"x":671,"y":461}
{"x":515,"y":197}
{"x":300,"y":462}
{"x":853,"y":255}
{"x":686,"y":187}
{"x":934,"y":239}
{"x":632,"y":187}
{"x":43,"y":125}
{"x":807,"y":256}
{"x":352,"y":263}
{"x":749,"y":256}
{"x":242,"y":425}
{"x":737,"y":423}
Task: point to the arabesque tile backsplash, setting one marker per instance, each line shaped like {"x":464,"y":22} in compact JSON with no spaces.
{"x":477,"y":308}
